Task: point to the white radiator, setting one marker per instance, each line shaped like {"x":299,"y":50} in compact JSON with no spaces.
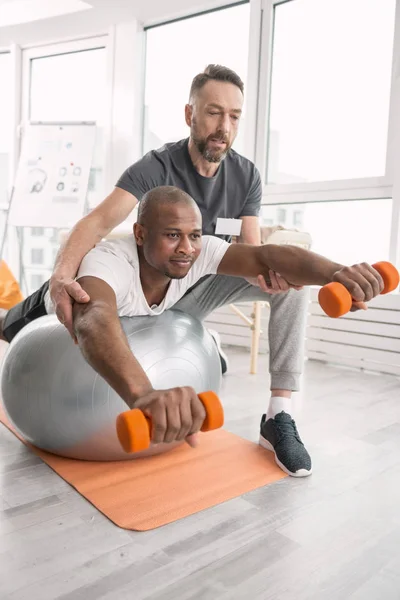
{"x":366,"y":339}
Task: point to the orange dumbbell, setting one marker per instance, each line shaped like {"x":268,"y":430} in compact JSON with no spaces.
{"x":335,"y":300}
{"x":134,"y":428}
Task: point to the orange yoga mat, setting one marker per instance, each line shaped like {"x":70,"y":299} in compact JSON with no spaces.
{"x":146,"y":493}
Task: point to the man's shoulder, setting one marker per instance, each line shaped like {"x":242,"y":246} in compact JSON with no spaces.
{"x":120,"y":246}
{"x":212,"y":251}
{"x":242,"y":168}
{"x":241,"y":161}
{"x":211,"y":243}
{"x":113,"y":261}
{"x":166,"y":151}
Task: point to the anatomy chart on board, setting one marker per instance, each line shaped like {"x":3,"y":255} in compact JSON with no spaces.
{"x":53,"y":174}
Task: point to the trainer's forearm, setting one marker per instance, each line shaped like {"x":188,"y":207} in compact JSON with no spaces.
{"x":297,"y":265}
{"x":82,"y":238}
{"x":105,"y":347}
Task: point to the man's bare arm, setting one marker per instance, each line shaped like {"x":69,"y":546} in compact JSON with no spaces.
{"x":250,"y":231}
{"x":177,"y":413}
{"x":300,"y":267}
{"x":103,"y":343}
{"x":83,"y":237}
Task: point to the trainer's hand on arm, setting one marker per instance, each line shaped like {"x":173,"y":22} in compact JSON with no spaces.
{"x":63,"y":293}
{"x":176,"y":414}
{"x":274,"y":283}
{"x":90,"y":230}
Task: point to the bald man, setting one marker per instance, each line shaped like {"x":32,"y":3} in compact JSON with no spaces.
{"x":151,"y":271}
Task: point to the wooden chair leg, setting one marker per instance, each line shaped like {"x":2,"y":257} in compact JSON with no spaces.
{"x":255,"y":337}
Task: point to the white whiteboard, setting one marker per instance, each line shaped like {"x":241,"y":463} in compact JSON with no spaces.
{"x":52,"y":177}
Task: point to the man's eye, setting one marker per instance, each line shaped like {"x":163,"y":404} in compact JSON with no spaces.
{"x":172,"y":235}
{"x":196,"y":236}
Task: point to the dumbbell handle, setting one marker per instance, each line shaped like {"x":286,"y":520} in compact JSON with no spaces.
{"x":134,"y":427}
{"x":335,"y":300}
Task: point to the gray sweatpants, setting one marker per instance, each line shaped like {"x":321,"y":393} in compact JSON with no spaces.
{"x":286,"y":331}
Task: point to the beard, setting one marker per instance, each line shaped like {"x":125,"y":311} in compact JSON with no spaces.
{"x":209,"y":154}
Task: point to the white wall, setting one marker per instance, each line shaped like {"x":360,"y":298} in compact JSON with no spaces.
{"x":156,"y":11}
{"x":104,"y":14}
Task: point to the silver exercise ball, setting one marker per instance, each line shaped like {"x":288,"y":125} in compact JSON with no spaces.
{"x":59,"y":403}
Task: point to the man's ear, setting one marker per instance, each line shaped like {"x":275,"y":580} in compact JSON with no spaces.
{"x":139,"y":233}
{"x":188,"y":114}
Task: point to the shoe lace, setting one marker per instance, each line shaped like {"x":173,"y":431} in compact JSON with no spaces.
{"x":287,"y":428}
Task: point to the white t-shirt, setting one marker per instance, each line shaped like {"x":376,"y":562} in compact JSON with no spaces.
{"x":116,"y":262}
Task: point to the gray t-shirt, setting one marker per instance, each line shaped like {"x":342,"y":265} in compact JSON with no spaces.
{"x":234,"y":191}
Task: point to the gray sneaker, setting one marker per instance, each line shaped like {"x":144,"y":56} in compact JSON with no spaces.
{"x":280,"y":435}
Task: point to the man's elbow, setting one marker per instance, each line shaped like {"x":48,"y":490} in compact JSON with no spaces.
{"x":81,"y":327}
{"x":88,"y":318}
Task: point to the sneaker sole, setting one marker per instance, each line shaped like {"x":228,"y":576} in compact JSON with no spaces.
{"x":300,"y":473}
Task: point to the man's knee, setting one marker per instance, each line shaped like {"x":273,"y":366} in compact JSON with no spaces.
{"x":12,"y":322}
{"x":24,"y":312}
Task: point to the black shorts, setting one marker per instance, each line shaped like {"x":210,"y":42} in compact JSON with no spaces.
{"x":26,"y":311}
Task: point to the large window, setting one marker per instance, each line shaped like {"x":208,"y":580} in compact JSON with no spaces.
{"x":6,"y":109}
{"x":71,"y":87}
{"x":330,"y":90}
{"x":175,"y":53}
{"x":347,"y":232}
{"x":68,"y":87}
{"x":64,"y":83}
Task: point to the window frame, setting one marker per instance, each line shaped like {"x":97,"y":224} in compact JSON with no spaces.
{"x":4,"y":205}
{"x":368,"y":188}
{"x":320,"y":191}
{"x":56,"y":49}
{"x":258,"y":85}
{"x":27,"y":55}
{"x":100,"y":41}
{"x":11,"y":243}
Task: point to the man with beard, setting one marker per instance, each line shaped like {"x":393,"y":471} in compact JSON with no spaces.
{"x":225,"y":185}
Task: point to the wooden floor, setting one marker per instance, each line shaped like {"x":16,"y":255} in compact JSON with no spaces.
{"x":332,"y":536}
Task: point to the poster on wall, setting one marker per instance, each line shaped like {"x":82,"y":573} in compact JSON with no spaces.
{"x":52,"y":177}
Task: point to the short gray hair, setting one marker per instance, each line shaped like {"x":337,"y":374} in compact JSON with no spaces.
{"x":215,"y":73}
